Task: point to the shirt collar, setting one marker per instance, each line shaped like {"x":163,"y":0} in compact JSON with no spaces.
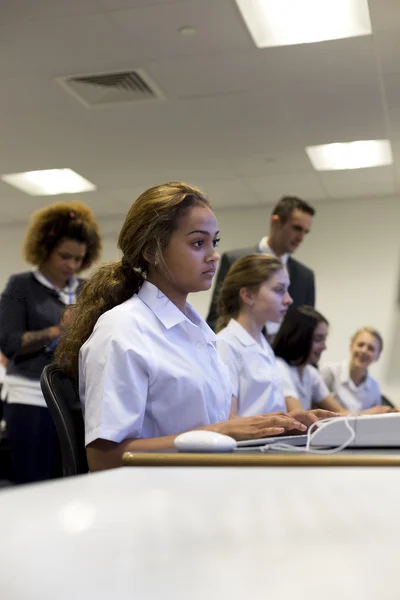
{"x":72,"y":285}
{"x":241,"y":334}
{"x":169,"y":314}
{"x":264,"y":247}
{"x":345,"y":376}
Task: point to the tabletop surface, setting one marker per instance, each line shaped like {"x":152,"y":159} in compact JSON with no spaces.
{"x":178,"y":533}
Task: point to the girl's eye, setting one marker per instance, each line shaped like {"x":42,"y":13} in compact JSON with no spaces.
{"x":216,"y":242}
{"x":198,"y":244}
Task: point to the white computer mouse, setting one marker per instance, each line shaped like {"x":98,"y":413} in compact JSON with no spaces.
{"x":202,"y":440}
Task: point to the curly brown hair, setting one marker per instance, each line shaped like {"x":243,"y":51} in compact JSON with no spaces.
{"x":148,"y":226}
{"x":56,"y":222}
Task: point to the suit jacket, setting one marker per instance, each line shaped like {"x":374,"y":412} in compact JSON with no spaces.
{"x":301,"y":289}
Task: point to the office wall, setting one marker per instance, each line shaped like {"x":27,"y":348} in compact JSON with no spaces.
{"x":353,"y":249}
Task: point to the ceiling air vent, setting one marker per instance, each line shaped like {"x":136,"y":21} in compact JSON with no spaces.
{"x":104,"y":90}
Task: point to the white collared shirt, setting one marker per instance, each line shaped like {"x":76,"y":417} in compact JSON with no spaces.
{"x":344,"y":390}
{"x":148,"y":370}
{"x":264,"y":247}
{"x":252,"y":366}
{"x":68,"y":294}
{"x":310,"y":389}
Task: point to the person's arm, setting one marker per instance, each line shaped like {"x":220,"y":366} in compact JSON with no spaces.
{"x":32,"y":341}
{"x":103,"y":454}
{"x":321,"y":396}
{"x":15,"y":340}
{"x":212,"y":317}
{"x":311,"y":291}
{"x":233,"y":413}
{"x":329,"y":403}
{"x":292,"y":403}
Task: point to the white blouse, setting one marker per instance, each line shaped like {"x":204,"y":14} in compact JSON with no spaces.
{"x":353,"y":397}
{"x":310,"y":389}
{"x":148,"y":370}
{"x":252,"y":366}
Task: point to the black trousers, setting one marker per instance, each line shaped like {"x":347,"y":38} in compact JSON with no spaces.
{"x":32,"y":442}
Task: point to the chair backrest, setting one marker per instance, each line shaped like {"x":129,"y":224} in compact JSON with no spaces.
{"x":62,"y":398}
{"x":387,"y":402}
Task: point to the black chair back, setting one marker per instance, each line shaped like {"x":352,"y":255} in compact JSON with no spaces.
{"x":62,"y":398}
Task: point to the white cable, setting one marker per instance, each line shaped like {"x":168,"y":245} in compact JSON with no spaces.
{"x":307,"y":448}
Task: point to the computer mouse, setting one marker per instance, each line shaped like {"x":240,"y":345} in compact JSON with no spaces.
{"x":202,"y":440}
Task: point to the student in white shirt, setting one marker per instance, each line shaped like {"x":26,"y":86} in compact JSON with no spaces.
{"x":298,"y":346}
{"x":255,"y":290}
{"x":349,"y":381}
{"x":147,"y":362}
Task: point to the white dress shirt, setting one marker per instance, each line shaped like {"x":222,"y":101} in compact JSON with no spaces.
{"x":272,"y":328}
{"x":265,"y":248}
{"x":252,"y":366}
{"x":148,"y":370}
{"x":310,"y":389}
{"x":353,"y":397}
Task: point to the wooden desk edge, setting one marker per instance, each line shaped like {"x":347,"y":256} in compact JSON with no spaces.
{"x":180,"y":459}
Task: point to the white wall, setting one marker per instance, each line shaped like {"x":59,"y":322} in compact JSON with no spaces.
{"x":353,"y":249}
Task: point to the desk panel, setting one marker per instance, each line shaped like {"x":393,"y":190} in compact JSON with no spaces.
{"x":253,"y":459}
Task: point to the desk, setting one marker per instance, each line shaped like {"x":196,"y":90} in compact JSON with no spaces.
{"x":211,"y":533}
{"x":255,"y":458}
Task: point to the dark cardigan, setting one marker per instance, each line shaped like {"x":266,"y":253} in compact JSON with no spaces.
{"x":27,"y":305}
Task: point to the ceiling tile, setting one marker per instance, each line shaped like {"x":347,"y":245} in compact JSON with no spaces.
{"x":219,"y":28}
{"x":273,"y":163}
{"x":385,"y":15}
{"x":359,"y":182}
{"x":228,"y":194}
{"x":270,"y":189}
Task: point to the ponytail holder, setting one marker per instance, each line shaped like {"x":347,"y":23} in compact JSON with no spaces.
{"x":125,"y":264}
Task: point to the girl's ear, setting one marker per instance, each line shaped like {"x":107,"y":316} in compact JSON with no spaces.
{"x":246,"y":296}
{"x":149,"y":254}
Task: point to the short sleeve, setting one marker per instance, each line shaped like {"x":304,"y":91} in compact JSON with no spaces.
{"x":232,"y":361}
{"x":376,"y":394}
{"x":319,"y":389}
{"x":285,"y":379}
{"x":13,"y":316}
{"x":114,"y":377}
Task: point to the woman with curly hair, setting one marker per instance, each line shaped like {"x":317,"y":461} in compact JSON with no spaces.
{"x":62,"y":239}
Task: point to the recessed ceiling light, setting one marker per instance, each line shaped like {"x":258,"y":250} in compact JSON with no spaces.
{"x":49,"y":182}
{"x":350,"y":155}
{"x":287,"y":22}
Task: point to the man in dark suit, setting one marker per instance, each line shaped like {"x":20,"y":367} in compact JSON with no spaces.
{"x":291,"y":220}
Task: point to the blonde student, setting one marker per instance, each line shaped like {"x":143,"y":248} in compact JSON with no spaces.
{"x":254,"y":291}
{"x":298,"y":346}
{"x":349,"y":381}
{"x":146,"y":362}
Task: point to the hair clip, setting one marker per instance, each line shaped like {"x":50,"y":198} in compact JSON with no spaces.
{"x":72,"y":215}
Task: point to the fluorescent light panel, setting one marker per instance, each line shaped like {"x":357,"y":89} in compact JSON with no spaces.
{"x":288,"y":22}
{"x":350,"y":155}
{"x":49,"y":182}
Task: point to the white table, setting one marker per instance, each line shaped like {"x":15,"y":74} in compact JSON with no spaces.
{"x":204,"y":533}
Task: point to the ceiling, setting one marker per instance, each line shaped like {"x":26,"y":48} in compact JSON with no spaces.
{"x":235,"y":120}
